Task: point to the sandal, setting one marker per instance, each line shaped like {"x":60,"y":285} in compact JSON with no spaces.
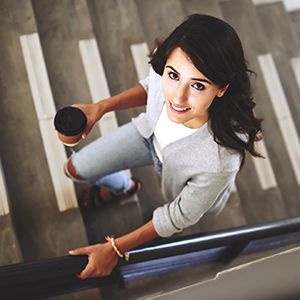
{"x":136,"y":188}
{"x":92,"y":198}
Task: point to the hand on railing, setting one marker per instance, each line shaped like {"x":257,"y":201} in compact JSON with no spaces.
{"x":102,"y":260}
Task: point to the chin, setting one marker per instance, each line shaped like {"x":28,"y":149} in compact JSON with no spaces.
{"x":176,"y":120}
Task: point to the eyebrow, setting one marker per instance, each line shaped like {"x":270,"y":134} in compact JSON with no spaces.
{"x":197,"y":79}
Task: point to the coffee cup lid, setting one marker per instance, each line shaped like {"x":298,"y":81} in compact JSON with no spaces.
{"x":70,"y":121}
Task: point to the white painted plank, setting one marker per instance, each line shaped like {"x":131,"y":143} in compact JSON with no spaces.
{"x":291,"y":5}
{"x":139,"y":53}
{"x":45,"y":110}
{"x":39,"y":83}
{"x":56,"y":157}
{"x":94,"y":69}
{"x":264,"y":168}
{"x":282,"y":111}
{"x":4,"y":207}
{"x":97,"y":81}
{"x":262,"y":2}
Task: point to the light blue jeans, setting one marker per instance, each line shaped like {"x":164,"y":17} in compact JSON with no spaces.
{"x":102,"y":162}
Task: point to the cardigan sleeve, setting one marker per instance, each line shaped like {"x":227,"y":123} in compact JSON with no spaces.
{"x":145,"y":84}
{"x":195,"y":199}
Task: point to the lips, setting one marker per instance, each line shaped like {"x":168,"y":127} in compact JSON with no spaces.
{"x":177,"y":109}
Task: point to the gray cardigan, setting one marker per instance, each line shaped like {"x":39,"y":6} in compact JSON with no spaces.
{"x":198,"y":174}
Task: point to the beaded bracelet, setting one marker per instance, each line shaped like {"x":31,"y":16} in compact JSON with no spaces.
{"x":113,"y":243}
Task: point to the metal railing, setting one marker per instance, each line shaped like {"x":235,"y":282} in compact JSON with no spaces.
{"x":42,"y":279}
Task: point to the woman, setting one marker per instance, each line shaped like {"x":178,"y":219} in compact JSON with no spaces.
{"x":198,"y":125}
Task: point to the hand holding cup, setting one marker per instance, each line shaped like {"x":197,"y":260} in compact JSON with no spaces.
{"x":70,"y":123}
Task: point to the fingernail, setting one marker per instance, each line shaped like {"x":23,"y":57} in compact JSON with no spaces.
{"x":72,"y":252}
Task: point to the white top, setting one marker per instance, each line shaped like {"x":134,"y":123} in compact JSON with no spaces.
{"x":166,"y":132}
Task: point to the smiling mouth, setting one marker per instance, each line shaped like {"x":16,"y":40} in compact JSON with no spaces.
{"x":178,"y":109}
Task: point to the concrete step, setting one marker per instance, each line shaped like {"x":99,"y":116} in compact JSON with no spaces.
{"x":208,"y":7}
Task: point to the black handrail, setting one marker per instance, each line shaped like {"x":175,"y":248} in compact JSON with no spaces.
{"x":185,"y":244}
{"x":41,"y":279}
{"x":48,"y":278}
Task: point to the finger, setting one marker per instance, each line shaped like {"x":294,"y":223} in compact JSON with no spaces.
{"x":86,"y":131}
{"x":87,"y":272}
{"x":82,"y":275}
{"x":79,"y":251}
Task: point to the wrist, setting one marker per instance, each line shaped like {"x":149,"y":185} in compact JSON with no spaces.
{"x":106,"y":105}
{"x":111,"y":252}
{"x":99,"y":109}
{"x":114,"y":247}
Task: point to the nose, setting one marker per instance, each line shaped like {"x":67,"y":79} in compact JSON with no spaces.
{"x":181,"y":94}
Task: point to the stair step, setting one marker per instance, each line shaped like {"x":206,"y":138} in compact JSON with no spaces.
{"x":155,"y":24}
{"x":208,"y":7}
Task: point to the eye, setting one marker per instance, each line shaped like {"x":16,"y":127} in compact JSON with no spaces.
{"x":198,"y":86}
{"x":173,"y":75}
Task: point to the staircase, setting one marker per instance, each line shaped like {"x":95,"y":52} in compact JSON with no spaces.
{"x":56,"y":53}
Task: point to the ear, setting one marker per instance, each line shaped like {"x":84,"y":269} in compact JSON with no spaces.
{"x":222,"y":91}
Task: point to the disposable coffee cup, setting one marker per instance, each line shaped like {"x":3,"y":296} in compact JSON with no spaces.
{"x":70,"y":122}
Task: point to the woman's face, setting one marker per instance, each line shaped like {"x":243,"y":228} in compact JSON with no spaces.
{"x":188,"y":93}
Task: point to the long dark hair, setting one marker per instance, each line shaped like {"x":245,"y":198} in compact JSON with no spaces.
{"x":216,"y":51}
